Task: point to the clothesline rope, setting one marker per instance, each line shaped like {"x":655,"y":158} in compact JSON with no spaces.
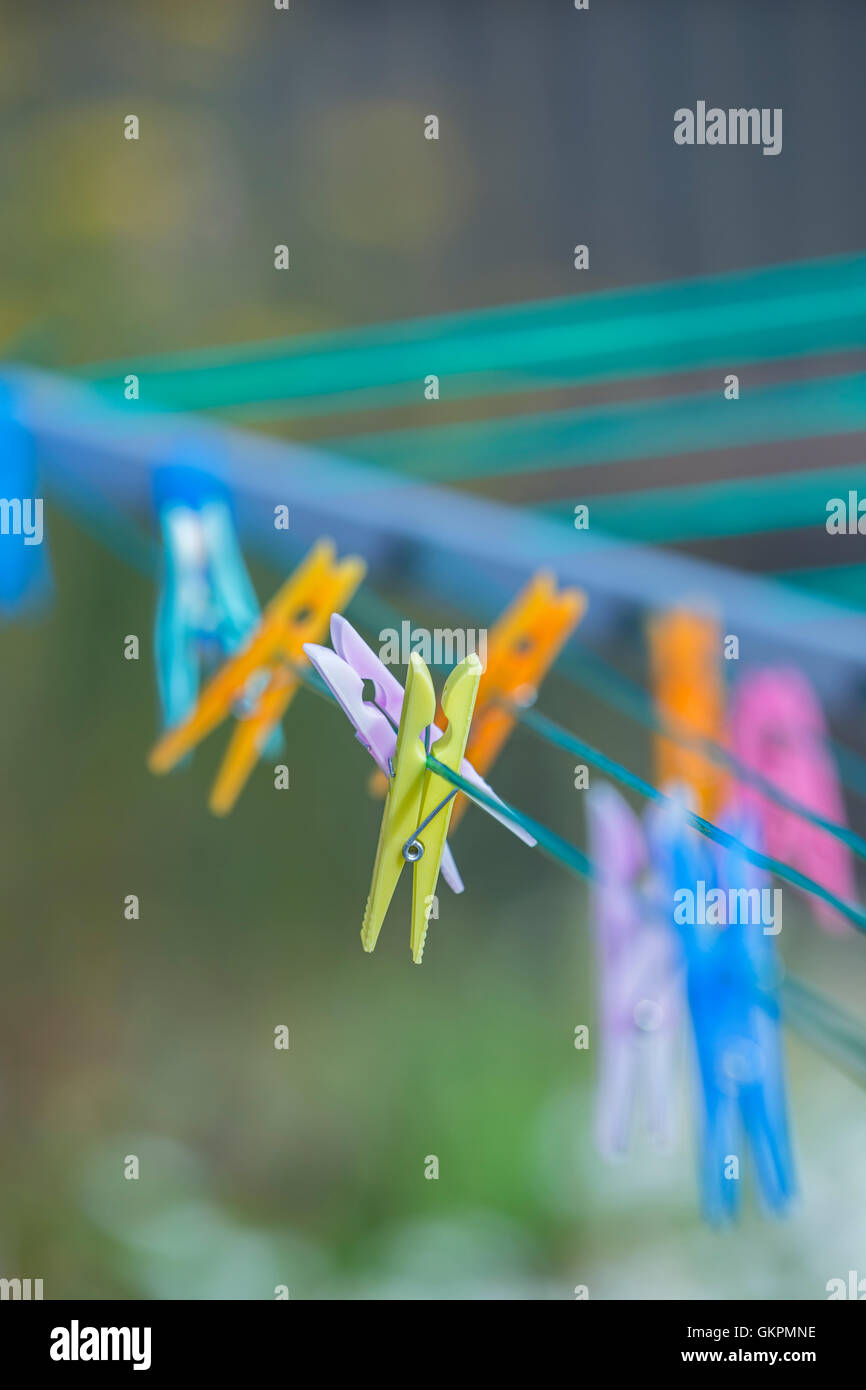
{"x":820,"y":1021}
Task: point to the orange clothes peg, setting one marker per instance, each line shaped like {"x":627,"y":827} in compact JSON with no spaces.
{"x":522,"y":646}
{"x":685,"y":659}
{"x":258,"y":684}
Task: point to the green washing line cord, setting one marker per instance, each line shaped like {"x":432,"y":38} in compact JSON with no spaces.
{"x":831,"y":1031}
{"x":725,"y":321}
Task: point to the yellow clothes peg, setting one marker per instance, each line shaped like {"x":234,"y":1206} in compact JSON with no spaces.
{"x":248,"y":738}
{"x":685,"y":659}
{"x":260,"y":675}
{"x":420,"y":801}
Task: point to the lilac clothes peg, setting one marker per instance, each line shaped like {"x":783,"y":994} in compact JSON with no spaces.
{"x":778,"y":729}
{"x":344,"y":670}
{"x":350,"y":650}
{"x":639,"y":982}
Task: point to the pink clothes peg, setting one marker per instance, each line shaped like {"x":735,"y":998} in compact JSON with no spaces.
{"x":778,"y":729}
{"x":344,"y":670}
{"x":640,"y":985}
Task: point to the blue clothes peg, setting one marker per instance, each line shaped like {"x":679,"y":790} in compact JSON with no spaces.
{"x":724,"y":914}
{"x":25,"y":579}
{"x":207,"y":606}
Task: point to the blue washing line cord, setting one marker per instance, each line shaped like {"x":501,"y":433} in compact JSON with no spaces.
{"x":832,"y":1032}
{"x":99,"y":519}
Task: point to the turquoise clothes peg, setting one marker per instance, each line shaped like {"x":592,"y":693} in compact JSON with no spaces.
{"x":207,"y":605}
{"x":24,"y":572}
